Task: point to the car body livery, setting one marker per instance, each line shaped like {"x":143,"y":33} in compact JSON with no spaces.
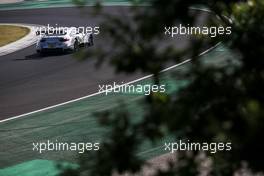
{"x":69,"y":39}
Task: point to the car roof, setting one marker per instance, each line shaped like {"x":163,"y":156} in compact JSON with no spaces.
{"x":56,"y":32}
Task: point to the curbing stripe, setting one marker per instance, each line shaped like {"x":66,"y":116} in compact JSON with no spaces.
{"x":22,"y":43}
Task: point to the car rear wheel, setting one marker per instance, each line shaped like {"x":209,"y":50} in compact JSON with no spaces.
{"x":40,"y":52}
{"x":76,"y":46}
{"x":90,"y":40}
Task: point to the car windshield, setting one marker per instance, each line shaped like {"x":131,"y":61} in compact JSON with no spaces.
{"x":56,"y":32}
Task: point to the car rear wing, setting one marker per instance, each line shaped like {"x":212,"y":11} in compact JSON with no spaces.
{"x":50,"y":32}
{"x":40,"y":32}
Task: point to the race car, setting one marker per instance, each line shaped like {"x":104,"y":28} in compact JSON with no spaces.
{"x":69,"y":39}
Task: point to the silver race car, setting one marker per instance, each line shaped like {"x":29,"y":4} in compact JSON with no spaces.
{"x":62,"y":40}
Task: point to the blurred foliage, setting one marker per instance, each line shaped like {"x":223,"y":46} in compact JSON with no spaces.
{"x":220,"y":104}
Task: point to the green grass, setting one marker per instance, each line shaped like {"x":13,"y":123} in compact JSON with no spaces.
{"x":10,"y":33}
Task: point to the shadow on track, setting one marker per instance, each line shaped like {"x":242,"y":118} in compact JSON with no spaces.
{"x":37,"y":56}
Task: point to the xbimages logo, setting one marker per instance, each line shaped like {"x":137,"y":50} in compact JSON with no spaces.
{"x":49,"y":146}
{"x":196,"y":146}
{"x":145,"y":89}
{"x":57,"y":29}
{"x":211,"y":31}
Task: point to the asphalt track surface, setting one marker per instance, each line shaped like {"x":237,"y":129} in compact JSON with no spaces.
{"x":29,"y":82}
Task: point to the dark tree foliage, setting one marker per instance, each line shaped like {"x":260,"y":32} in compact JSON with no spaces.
{"x":220,"y":104}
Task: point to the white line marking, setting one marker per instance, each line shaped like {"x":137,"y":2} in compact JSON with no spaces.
{"x":98,"y":93}
{"x":150,"y":150}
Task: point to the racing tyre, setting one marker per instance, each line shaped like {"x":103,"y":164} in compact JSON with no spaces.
{"x":76,"y":46}
{"x":90,"y":41}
